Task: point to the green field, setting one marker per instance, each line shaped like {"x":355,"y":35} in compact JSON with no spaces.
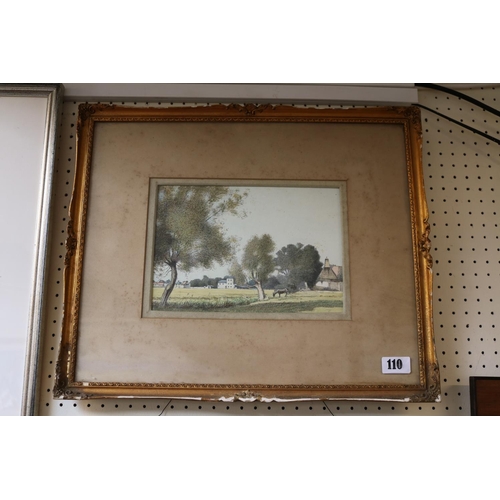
{"x":246,"y":301}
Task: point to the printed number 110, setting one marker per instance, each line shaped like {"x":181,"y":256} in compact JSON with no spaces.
{"x":397,"y":365}
{"x":394,"y":364}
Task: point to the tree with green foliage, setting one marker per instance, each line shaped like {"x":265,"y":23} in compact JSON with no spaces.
{"x":196,"y":283}
{"x":236,"y":271}
{"x":298,"y":263}
{"x":258,"y":261}
{"x":272,"y":283}
{"x":188,"y":233}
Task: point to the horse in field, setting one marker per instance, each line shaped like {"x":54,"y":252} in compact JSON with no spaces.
{"x":280,"y":291}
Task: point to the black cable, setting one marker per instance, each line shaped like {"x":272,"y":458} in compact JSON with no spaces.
{"x":460,"y":95}
{"x":327,"y":407}
{"x":165,"y":408}
{"x":472,"y":129}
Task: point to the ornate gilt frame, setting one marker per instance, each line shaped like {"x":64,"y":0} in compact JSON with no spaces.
{"x":427,"y":388}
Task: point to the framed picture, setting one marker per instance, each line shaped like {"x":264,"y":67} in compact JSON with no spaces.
{"x":248,"y":252}
{"x":221,"y":249}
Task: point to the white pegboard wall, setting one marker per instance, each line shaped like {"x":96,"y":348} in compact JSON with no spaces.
{"x":461,"y":175}
{"x":460,"y":171}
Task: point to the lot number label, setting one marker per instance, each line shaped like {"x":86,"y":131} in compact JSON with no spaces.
{"x":396,"y":364}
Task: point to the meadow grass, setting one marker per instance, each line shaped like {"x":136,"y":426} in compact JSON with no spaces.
{"x":246,"y":301}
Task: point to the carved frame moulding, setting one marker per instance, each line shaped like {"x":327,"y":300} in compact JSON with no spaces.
{"x":248,"y":252}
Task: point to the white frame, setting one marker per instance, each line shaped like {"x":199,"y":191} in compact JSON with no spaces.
{"x":53,"y":93}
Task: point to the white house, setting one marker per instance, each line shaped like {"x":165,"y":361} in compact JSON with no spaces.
{"x":227,"y":282}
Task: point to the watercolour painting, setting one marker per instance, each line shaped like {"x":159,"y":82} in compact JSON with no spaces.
{"x":247,"y":250}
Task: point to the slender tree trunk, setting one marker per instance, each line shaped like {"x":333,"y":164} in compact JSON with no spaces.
{"x":169,"y":288}
{"x":262,"y":295}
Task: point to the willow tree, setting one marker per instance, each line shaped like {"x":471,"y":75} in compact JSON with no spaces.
{"x":237,"y":272}
{"x":258,"y":261}
{"x":189,"y":232}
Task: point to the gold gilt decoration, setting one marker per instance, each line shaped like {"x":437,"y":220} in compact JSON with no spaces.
{"x":248,"y":396}
{"x":61,"y":379}
{"x":413,"y":114}
{"x":425,"y":243}
{"x":71,"y":243}
{"x":85,"y":111}
{"x":433,"y":386}
{"x":61,"y":388}
{"x":251,"y":109}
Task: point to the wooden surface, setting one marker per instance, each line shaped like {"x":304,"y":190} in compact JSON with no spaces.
{"x":485,"y":396}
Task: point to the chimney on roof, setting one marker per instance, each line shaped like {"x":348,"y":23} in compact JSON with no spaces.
{"x":327,"y":263}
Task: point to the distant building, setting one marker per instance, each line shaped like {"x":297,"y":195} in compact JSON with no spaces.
{"x":338,"y":271}
{"x":330,"y":278}
{"x":227,"y":282}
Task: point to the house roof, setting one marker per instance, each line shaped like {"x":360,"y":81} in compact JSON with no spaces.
{"x":327,"y":272}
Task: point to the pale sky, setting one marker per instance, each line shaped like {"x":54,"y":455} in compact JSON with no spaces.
{"x":307,"y":215}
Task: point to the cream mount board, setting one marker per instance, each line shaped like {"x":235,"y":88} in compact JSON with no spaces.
{"x":461,"y":179}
